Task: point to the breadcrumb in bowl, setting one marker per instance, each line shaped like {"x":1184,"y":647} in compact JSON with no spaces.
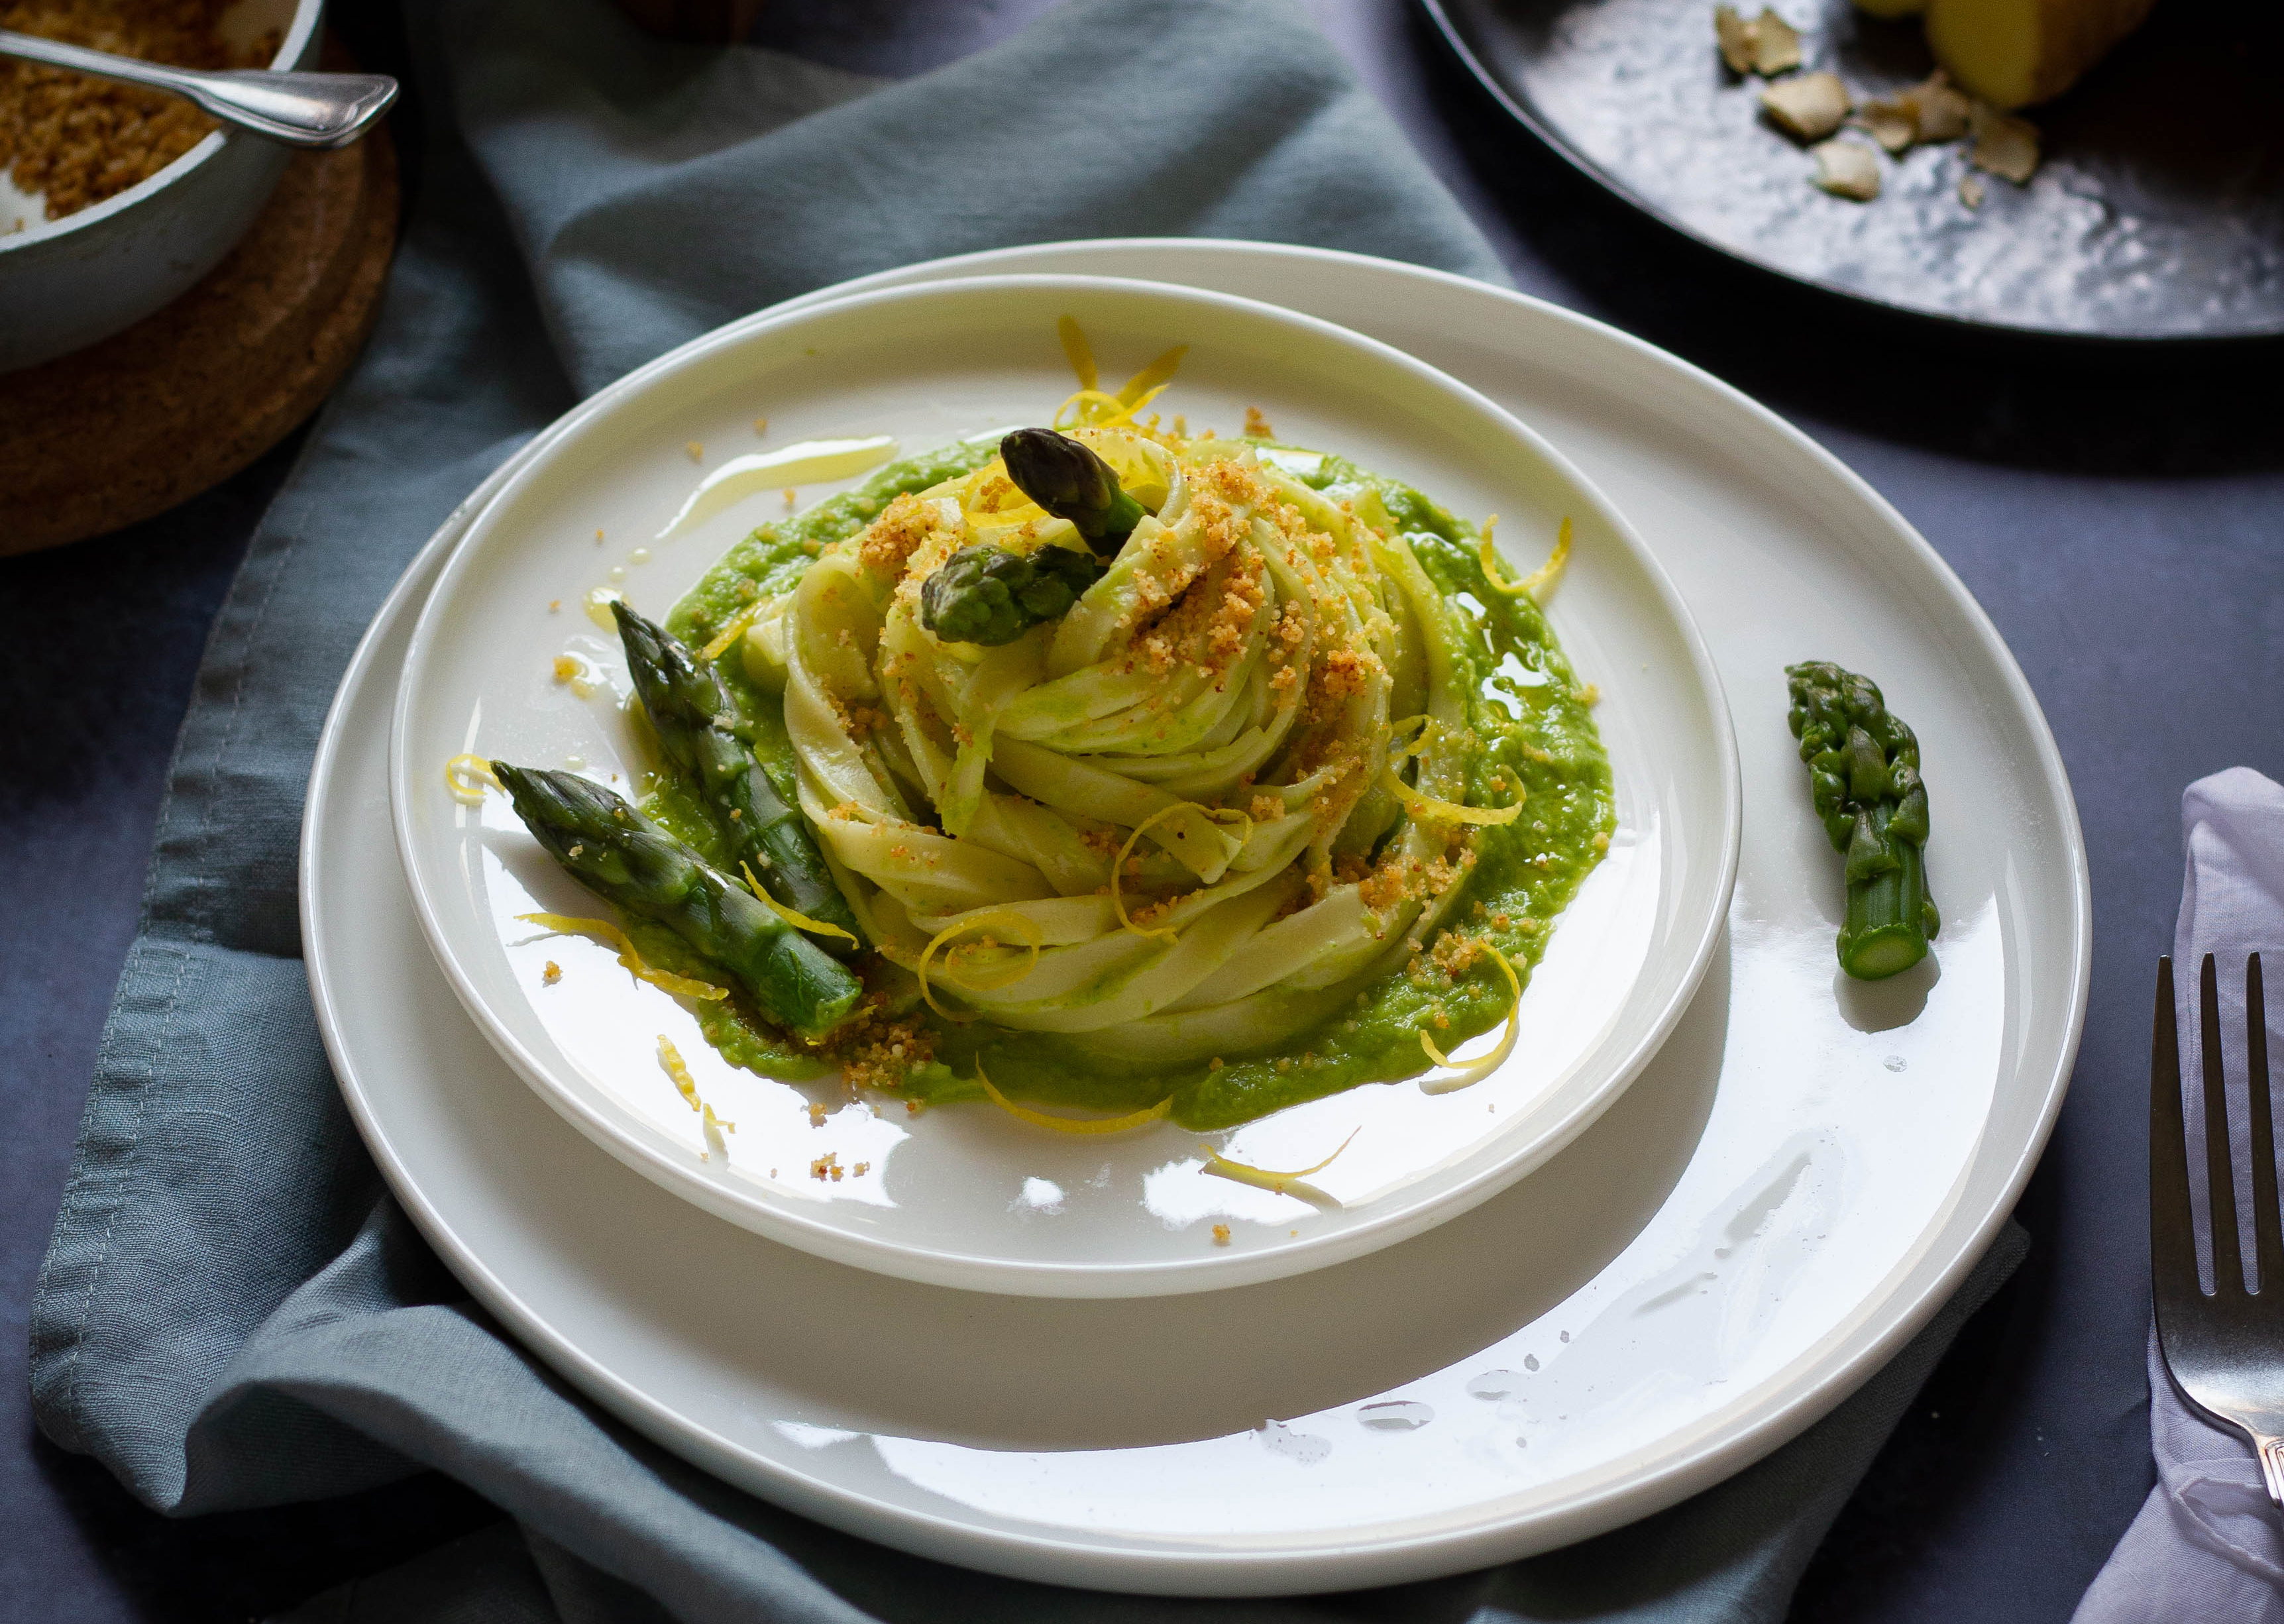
{"x":148,"y":202}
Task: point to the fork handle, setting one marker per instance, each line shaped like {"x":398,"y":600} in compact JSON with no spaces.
{"x":2271,"y":1451}
{"x":299,"y":109}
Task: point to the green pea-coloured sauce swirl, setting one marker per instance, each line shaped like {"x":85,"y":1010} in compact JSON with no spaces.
{"x":1524,"y":703}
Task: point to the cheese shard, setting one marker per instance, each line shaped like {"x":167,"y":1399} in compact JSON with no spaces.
{"x":1847,"y":169}
{"x":2005,"y":146}
{"x":1735,"y":35}
{"x":1941,"y":111}
{"x":1808,"y":107}
{"x":1928,"y":113}
{"x":1767,"y":44}
{"x":2015,"y":53}
{"x":1891,"y":121}
{"x":1776,"y":44}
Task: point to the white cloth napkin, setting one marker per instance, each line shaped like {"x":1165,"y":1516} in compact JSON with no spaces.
{"x":2207,"y":1544}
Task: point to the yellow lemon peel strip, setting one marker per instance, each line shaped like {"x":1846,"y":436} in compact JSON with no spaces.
{"x":1402,"y":748}
{"x":1488,"y":556}
{"x":1278,"y":1183}
{"x":981,"y":922}
{"x":1080,"y":353}
{"x":1430,"y":810}
{"x":1538,"y":580}
{"x":1111,"y":410}
{"x":1072,"y":1125}
{"x":799,"y":921}
{"x":1118,"y":864}
{"x":670,"y":1058}
{"x":713,"y":1128}
{"x":603,"y":930}
{"x":1475,"y":1071}
{"x":710,"y":1127}
{"x":1138,"y":390}
{"x":732,"y":630}
{"x":465,"y":773}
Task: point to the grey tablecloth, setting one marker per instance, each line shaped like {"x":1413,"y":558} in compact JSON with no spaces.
{"x":233,"y":1312}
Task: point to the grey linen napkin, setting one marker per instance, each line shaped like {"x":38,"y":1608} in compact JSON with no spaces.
{"x":233,"y":1312}
{"x":2207,"y":1544}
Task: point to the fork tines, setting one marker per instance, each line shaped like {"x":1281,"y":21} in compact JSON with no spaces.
{"x":2172,"y":1226}
{"x":2223,"y":1349}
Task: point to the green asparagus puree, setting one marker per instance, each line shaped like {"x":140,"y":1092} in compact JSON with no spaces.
{"x":1864,"y":776}
{"x":1525,"y":705}
{"x":624,"y":858}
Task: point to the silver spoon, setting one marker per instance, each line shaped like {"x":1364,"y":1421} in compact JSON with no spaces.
{"x":321,"y":110}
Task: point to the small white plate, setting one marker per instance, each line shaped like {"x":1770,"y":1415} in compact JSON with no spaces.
{"x":966,"y":1196}
{"x":1793,"y":1186}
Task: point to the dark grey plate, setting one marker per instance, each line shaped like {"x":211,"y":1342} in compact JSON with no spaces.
{"x":2157,"y":215}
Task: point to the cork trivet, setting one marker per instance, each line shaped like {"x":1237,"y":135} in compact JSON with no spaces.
{"x":178,"y":403}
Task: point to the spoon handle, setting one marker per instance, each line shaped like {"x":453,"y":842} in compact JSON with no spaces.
{"x":316,"y":110}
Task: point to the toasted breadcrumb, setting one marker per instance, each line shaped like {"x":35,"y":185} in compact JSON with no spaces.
{"x":1221,"y":1235}
{"x":73,"y":139}
{"x":1256,"y":425}
{"x":551,"y":975}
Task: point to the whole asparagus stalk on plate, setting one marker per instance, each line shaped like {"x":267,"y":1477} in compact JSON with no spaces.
{"x":1864,"y":774}
{"x":624,"y":858}
{"x":691,"y":715}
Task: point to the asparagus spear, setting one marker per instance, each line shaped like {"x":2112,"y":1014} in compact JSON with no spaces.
{"x":1070,"y":481}
{"x":691,"y":715}
{"x":988,"y":595}
{"x":622,"y":856}
{"x":1864,"y":773}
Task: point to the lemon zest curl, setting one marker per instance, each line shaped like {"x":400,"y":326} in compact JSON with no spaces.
{"x":1071,"y":1125}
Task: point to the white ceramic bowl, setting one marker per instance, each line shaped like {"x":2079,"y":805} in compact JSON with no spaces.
{"x":67,"y":284}
{"x":964,"y":1196}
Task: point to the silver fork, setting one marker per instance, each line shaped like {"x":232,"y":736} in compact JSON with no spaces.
{"x":2225,"y":1350}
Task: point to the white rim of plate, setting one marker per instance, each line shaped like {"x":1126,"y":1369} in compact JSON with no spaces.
{"x":1406,"y":1213}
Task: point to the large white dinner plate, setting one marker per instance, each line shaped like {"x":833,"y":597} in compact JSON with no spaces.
{"x":1777,"y":1204}
{"x":966,"y":1195}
